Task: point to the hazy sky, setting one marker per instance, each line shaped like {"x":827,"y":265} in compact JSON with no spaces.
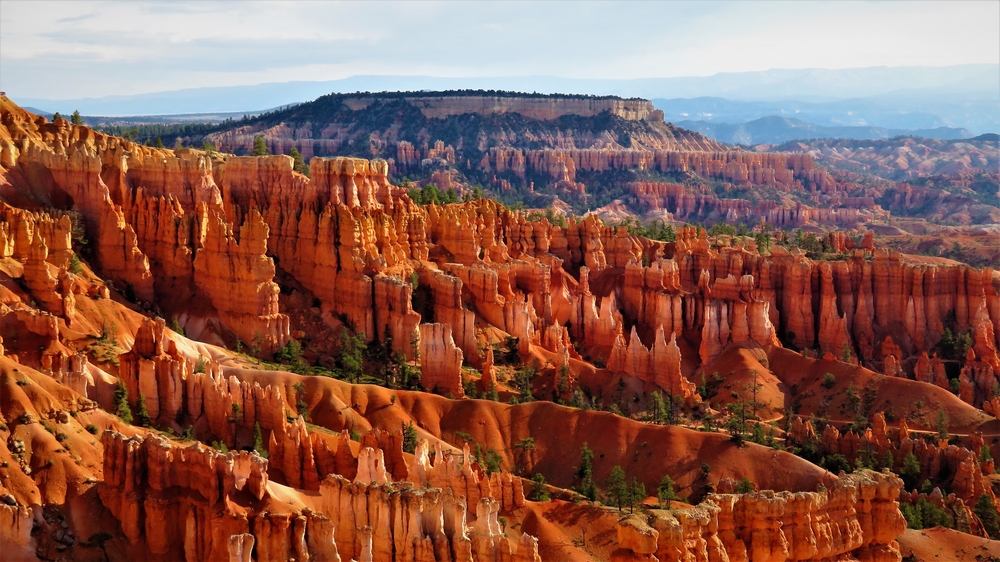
{"x":77,"y":49}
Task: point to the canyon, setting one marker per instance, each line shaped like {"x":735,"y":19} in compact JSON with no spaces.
{"x":181,"y":374}
{"x":587,"y":152}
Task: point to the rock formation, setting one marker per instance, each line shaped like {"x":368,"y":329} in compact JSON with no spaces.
{"x":194,"y":257}
{"x":858,"y":517}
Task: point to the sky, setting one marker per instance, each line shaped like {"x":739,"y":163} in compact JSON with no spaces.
{"x":91,"y":49}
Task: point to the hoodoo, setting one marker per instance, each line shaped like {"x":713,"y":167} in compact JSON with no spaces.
{"x":209,"y":356}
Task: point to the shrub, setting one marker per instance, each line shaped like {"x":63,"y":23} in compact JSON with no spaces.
{"x":539,"y":493}
{"x":829,"y":381}
{"x":75,"y":266}
{"x":745,"y":486}
{"x":290,"y":353}
{"x":836,"y":463}
{"x":92,"y":429}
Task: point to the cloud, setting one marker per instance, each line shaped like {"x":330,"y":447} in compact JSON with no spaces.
{"x":78,"y":18}
{"x":105,"y":48}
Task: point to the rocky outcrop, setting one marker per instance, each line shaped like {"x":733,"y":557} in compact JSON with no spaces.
{"x":463,"y":477}
{"x":857,"y":517}
{"x":659,"y":364}
{"x":440,"y":360}
{"x":152,"y":485}
{"x":15,"y":533}
{"x":155,"y":370}
{"x":237,"y":276}
{"x":683,"y":203}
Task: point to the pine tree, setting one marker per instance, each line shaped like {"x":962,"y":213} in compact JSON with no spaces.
{"x":260,"y":147}
{"x":563,"y":381}
{"x":636,"y":493}
{"x":75,"y":118}
{"x":987,"y":513}
{"x":616,"y":487}
{"x":352,"y":349}
{"x":409,"y":438}
{"x":910,"y":471}
{"x":658,"y":406}
{"x":142,"y":414}
{"x":298,"y":164}
{"x":158,"y":143}
{"x":941,"y":425}
{"x":122,"y":409}
{"x":665,"y":493}
{"x":55,"y":116}
{"x":586,"y":473}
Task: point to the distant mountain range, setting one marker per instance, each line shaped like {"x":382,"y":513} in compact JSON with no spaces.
{"x":911,"y":110}
{"x":964,"y":96}
{"x":777,"y":130}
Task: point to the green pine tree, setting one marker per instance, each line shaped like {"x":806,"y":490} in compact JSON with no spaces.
{"x":586,"y":473}
{"x":122,"y":409}
{"x":910,"y":471}
{"x":298,"y":164}
{"x":409,"y":438}
{"x":260,"y":147}
{"x":636,"y":494}
{"x":665,"y":493}
{"x":142,"y":414}
{"x":352,"y":349}
{"x":987,"y":513}
{"x":616,"y":487}
{"x":75,"y":118}
{"x":941,"y":424}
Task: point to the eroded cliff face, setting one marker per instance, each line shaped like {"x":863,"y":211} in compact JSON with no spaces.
{"x":354,"y":241}
{"x":173,"y":499}
{"x":525,"y":144}
{"x":217,"y":243}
